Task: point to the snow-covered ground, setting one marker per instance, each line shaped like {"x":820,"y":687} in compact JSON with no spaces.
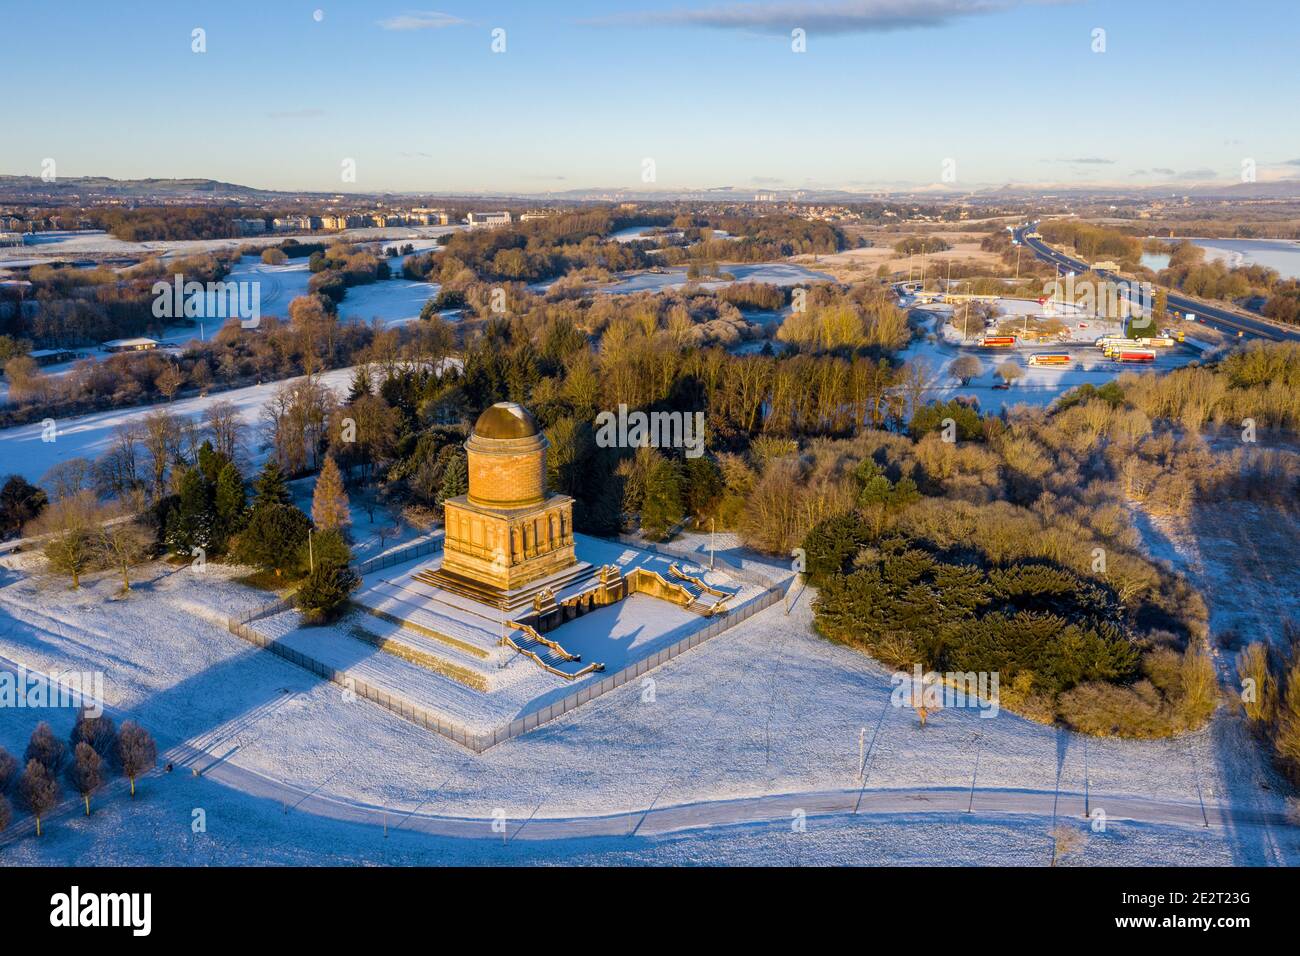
{"x":764,"y":718}
{"x":97,"y":243}
{"x":26,"y":453}
{"x":941,"y":344}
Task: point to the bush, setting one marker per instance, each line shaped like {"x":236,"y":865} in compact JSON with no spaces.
{"x":325,"y":592}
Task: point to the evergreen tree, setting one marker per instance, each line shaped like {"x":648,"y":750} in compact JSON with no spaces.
{"x":20,"y":502}
{"x":455,"y":479}
{"x":228,"y":504}
{"x":271,"y":488}
{"x":191,"y":522}
{"x":273,"y":537}
{"x":360,"y":384}
{"x":323,"y":595}
{"x":704,"y":486}
{"x":661,"y":507}
{"x":329,"y":503}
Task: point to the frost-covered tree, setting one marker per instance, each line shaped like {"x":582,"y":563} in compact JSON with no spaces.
{"x":99,"y":732}
{"x":84,"y":772}
{"x":38,"y":791}
{"x":136,"y":752}
{"x":8,"y":770}
{"x":46,"y":749}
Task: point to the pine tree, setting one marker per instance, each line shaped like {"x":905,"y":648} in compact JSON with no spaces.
{"x":191,"y":522}
{"x":271,"y":488}
{"x":661,"y":508}
{"x":360,"y":384}
{"x":455,"y":480}
{"x":273,"y":537}
{"x":325,"y":591}
{"x":329,"y":503}
{"x":228,"y":504}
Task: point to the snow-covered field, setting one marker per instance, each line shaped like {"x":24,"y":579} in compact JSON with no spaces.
{"x":97,"y":243}
{"x":737,"y":734}
{"x":89,"y":436}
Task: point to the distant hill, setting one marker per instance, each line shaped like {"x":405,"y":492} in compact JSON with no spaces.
{"x":19,"y":188}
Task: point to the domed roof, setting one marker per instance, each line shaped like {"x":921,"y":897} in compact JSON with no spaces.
{"x":505,"y":420}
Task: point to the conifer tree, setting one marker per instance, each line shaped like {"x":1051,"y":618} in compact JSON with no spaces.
{"x":455,"y":479}
{"x":271,"y":488}
{"x":329,"y":503}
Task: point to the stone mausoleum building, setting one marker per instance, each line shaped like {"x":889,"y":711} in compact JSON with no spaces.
{"x":508,"y":538}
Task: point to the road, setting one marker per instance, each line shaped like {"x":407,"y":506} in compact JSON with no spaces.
{"x":1214,"y":316}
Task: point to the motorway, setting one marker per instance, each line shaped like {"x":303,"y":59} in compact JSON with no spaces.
{"x":1214,"y":316}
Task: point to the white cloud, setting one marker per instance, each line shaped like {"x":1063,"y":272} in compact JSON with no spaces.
{"x":421,"y":20}
{"x":845,"y":16}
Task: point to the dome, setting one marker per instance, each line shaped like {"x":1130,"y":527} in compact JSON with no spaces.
{"x":505,"y":420}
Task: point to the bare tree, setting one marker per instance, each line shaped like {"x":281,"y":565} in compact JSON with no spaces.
{"x":38,"y":791}
{"x":1010,"y":370}
{"x":121,"y":542}
{"x":226,"y":426}
{"x":68,"y":478}
{"x":8,"y":770}
{"x":71,"y":526}
{"x":84,"y":773}
{"x":46,"y":749}
{"x":99,"y":732}
{"x":136,"y":752}
{"x":966,"y":368}
{"x":161,"y":437}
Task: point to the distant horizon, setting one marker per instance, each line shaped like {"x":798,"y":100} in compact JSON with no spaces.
{"x":866,"y":193}
{"x":509,"y":98}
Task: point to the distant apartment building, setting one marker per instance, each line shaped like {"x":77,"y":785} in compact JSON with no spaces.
{"x":293,"y":224}
{"x":429,"y":217}
{"x":388,"y":220}
{"x":250,"y":227}
{"x":530,"y":216}
{"x":10,"y":224}
{"x":334,"y":222}
{"x":488,"y":220}
{"x":11,"y":239}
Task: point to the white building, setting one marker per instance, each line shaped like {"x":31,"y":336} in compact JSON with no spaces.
{"x":488,"y":220}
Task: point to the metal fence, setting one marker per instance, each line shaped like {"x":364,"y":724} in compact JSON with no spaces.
{"x":418,"y":550}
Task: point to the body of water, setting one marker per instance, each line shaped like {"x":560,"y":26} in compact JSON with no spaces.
{"x":1280,"y":254}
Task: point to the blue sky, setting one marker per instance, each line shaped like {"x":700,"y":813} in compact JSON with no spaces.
{"x":711,"y":92}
